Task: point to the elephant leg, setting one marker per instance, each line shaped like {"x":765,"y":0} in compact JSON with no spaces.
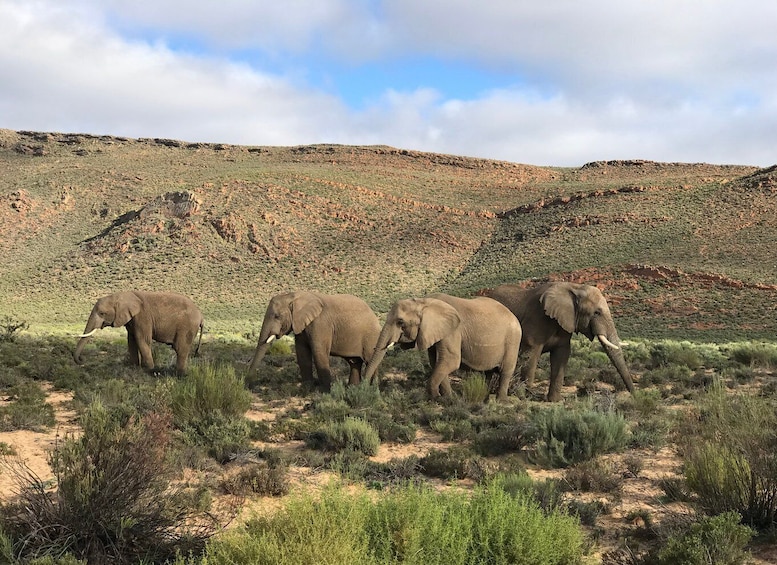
{"x":446,"y":360}
{"x":529,"y":369}
{"x":181,"y":348}
{"x":132,"y":350}
{"x":321,"y":361}
{"x":304,"y":359}
{"x":559,"y":357}
{"x":505,"y":376}
{"x":146,"y":357}
{"x":355,"y":376}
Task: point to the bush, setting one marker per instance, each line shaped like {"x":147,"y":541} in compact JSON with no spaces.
{"x":730,"y":461}
{"x":9,"y":327}
{"x":548,"y":494}
{"x":456,"y":463}
{"x":595,"y":475}
{"x":363,"y":395}
{"x":718,"y":539}
{"x":114,"y":502}
{"x":410,"y":524}
{"x":665,"y":354}
{"x":568,"y":436}
{"x":219,"y":435}
{"x":474,"y":389}
{"x":352,"y":433}
{"x":762,"y":355}
{"x":208,"y":405}
{"x":208,"y":388}
{"x":259,"y":477}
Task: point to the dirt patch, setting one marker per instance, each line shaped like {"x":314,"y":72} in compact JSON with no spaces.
{"x":32,"y":448}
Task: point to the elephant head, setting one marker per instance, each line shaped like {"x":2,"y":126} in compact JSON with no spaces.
{"x":287,"y":312}
{"x":414,"y":322}
{"x":583,"y":309}
{"x":114,"y":310}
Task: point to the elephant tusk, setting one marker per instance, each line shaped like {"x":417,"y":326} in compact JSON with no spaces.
{"x":270,"y":339}
{"x":87,"y":335}
{"x":390,"y":345}
{"x":607,"y":342}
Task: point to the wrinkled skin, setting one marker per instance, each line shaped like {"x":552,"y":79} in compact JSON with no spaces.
{"x":478,"y":333}
{"x":549,"y":314}
{"x":341,"y":325}
{"x":164,"y":317}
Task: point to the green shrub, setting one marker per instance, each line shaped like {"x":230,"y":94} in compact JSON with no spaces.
{"x":718,"y":539}
{"x":652,"y":432}
{"x":208,"y":405}
{"x":362,"y":395}
{"x":507,"y":438}
{"x":409,"y":524}
{"x":587,"y":511}
{"x":456,"y":430}
{"x":259,"y":477}
{"x":474,"y":389}
{"x":643,"y":403}
{"x":668,"y":353}
{"x":548,"y":493}
{"x":762,"y":355}
{"x":221,"y":436}
{"x":9,"y":327}
{"x":596,"y":475}
{"x":395,"y":471}
{"x":208,"y":388}
{"x":730,"y":461}
{"x":671,"y":374}
{"x":457,"y":462}
{"x":568,"y":436}
{"x":352,"y":433}
{"x":114,"y":501}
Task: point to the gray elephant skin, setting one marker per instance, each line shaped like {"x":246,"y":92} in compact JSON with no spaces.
{"x":479,"y":333}
{"x":164,"y":317}
{"x":549,"y":314}
{"x":341,"y":325}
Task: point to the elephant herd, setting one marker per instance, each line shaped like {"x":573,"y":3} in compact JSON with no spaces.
{"x":485,"y":333}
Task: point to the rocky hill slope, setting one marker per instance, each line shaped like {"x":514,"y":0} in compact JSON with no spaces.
{"x":680,"y":249}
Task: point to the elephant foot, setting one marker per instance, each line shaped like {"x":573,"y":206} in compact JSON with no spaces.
{"x":554,"y":396}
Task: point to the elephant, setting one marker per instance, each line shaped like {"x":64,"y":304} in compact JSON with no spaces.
{"x":549,"y":314}
{"x":341,"y":325}
{"x":479,"y":333}
{"x":164,"y":317}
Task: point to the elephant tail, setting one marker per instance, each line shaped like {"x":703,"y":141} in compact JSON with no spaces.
{"x":199,"y":341}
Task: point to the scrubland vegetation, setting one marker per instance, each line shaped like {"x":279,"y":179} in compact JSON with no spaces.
{"x":161,"y":465}
{"x":220,"y":466}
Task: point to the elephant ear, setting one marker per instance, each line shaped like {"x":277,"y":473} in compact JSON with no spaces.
{"x":305,"y":307}
{"x":560,"y":303}
{"x":127,"y":307}
{"x":438,"y":320}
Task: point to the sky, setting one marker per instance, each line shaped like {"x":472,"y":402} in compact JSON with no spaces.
{"x":542,"y":82}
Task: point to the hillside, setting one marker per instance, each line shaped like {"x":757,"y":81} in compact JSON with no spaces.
{"x":682,"y":250}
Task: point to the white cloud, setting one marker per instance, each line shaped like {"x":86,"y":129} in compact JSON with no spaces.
{"x":666,"y":80}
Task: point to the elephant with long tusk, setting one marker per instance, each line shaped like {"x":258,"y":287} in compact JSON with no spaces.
{"x":549,"y":314}
{"x":165,"y":317}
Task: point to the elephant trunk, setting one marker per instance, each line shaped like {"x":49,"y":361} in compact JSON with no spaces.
{"x":92,"y":325}
{"x":385,"y":340}
{"x":615,"y":353}
{"x":261,"y":350}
